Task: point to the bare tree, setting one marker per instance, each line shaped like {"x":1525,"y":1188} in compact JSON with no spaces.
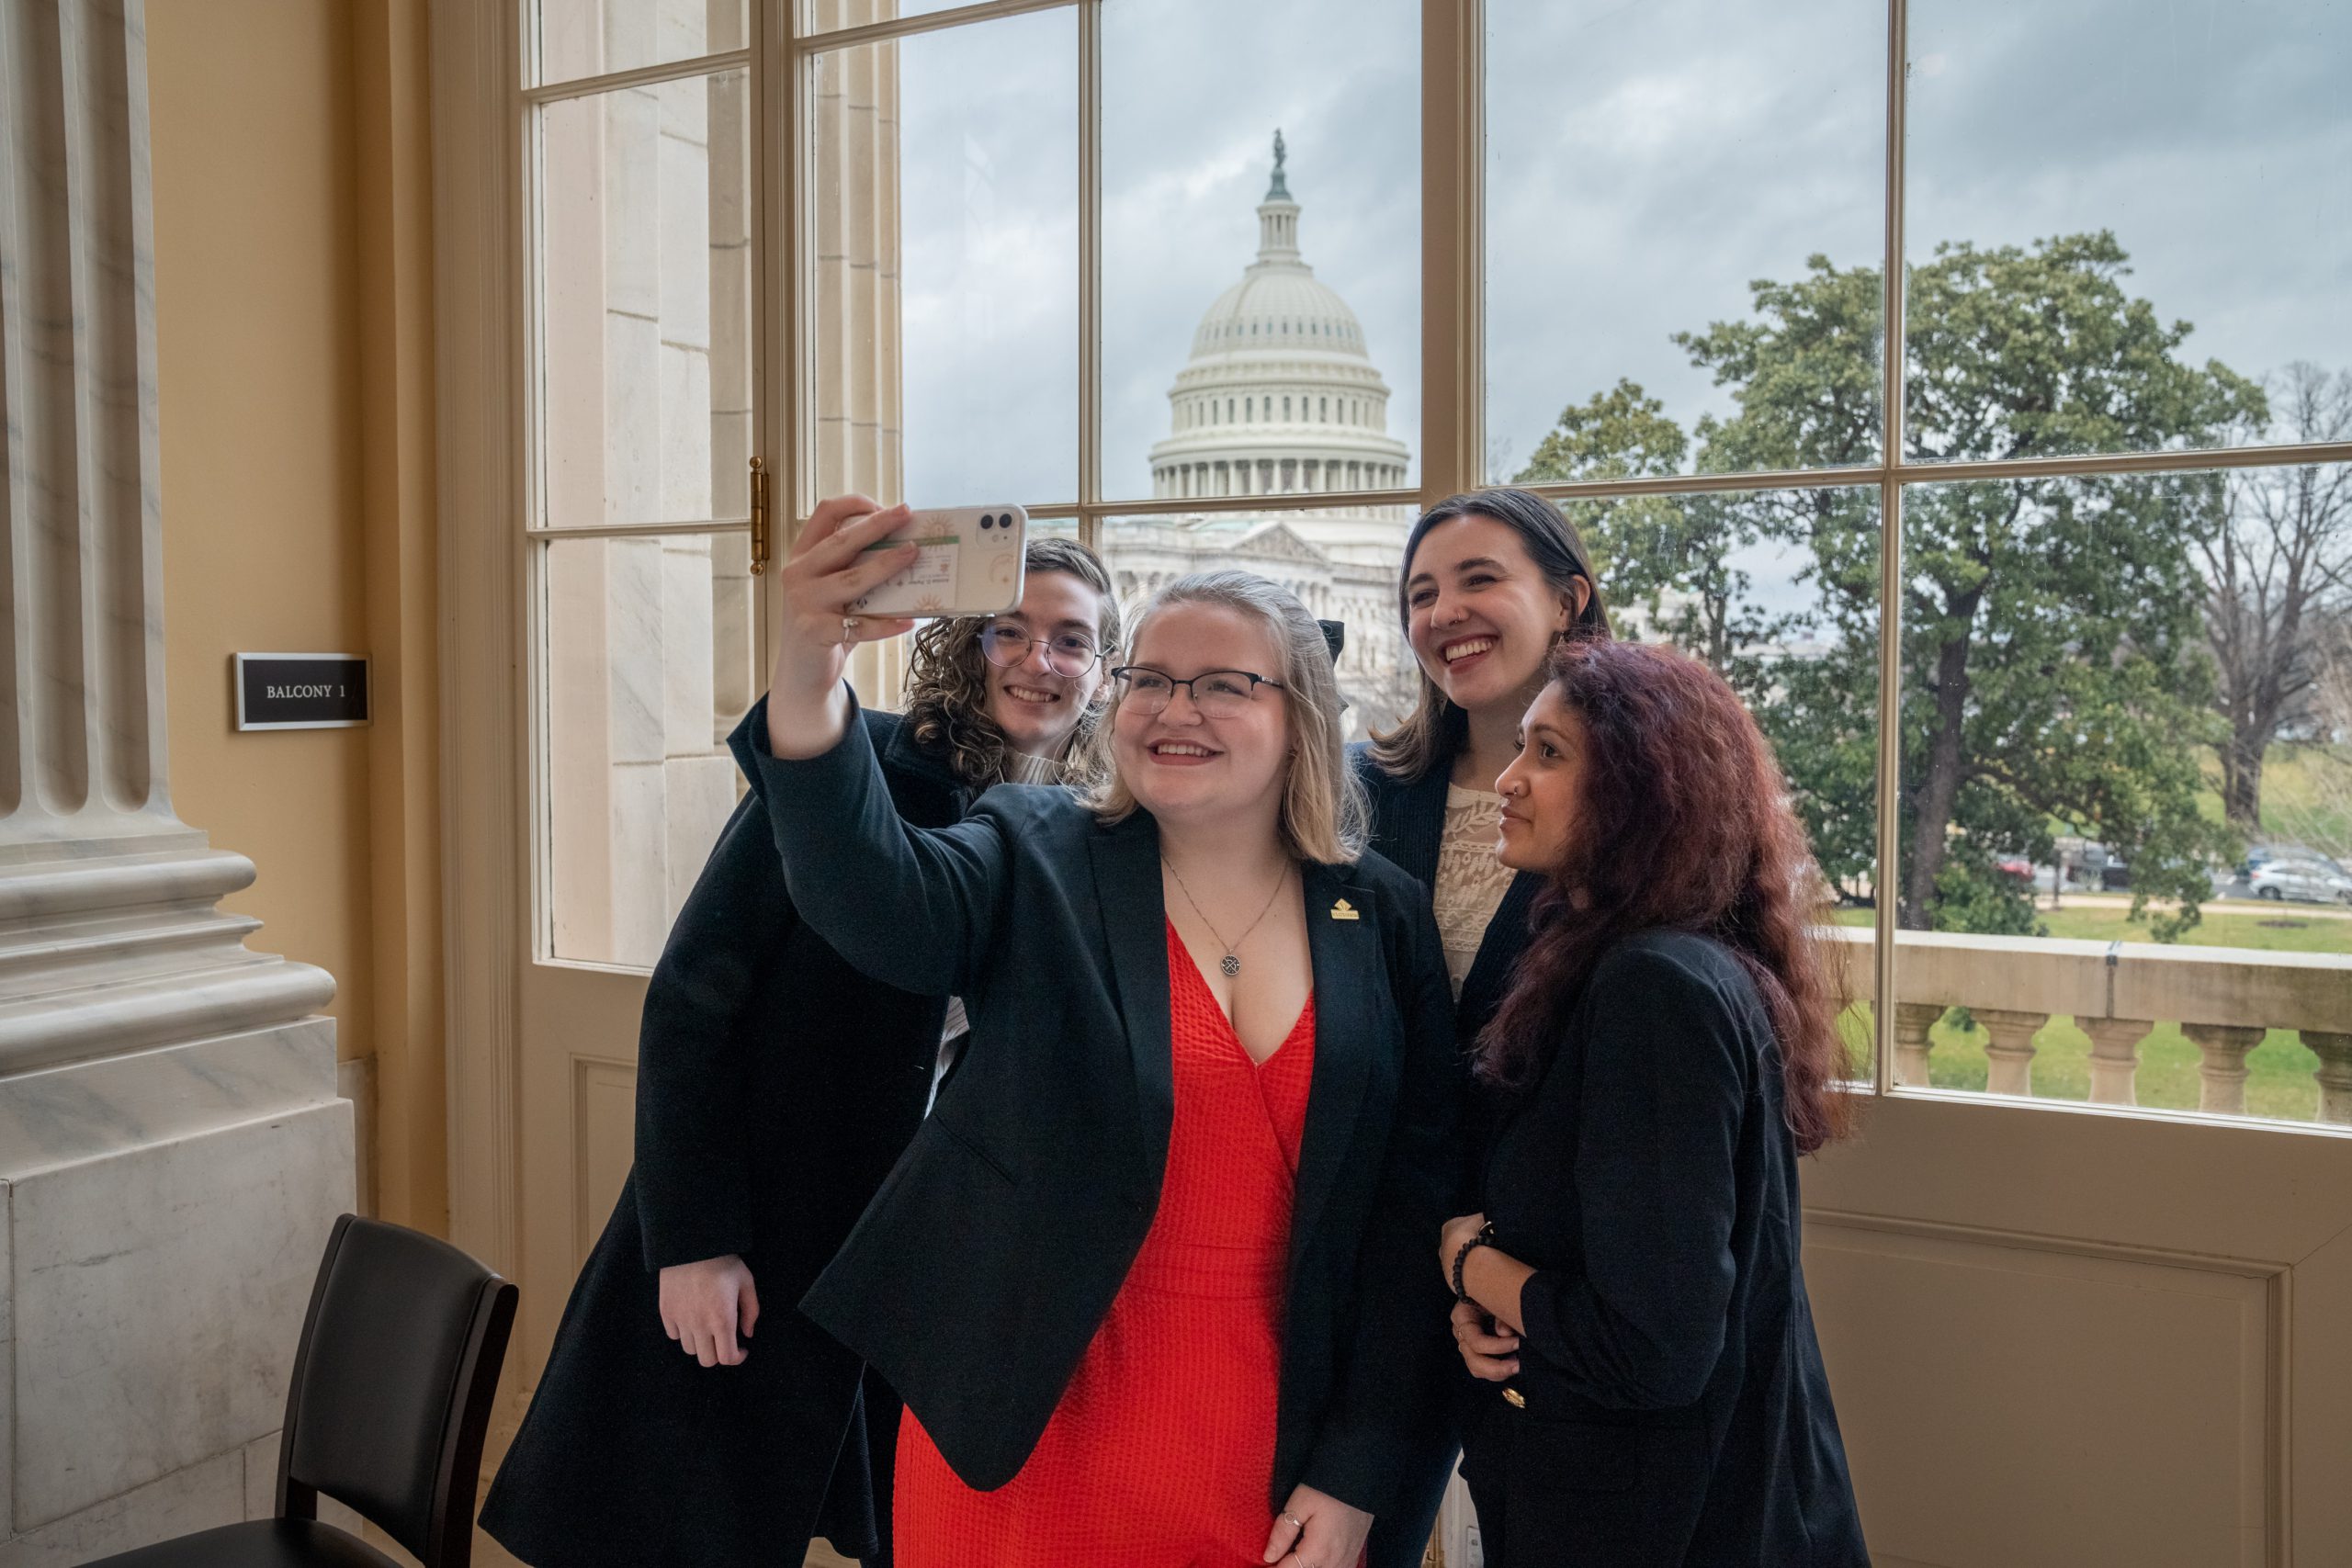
{"x":2325,"y":818}
{"x":2279,"y":571}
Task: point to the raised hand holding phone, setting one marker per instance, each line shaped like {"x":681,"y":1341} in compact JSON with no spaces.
{"x":829,"y":571}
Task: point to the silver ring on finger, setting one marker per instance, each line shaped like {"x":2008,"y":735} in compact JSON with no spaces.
{"x":849,"y":630}
{"x":1292,"y":1520}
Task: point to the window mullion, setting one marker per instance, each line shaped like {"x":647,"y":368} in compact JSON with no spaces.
{"x":1090,"y":272}
{"x":1453,"y":245}
{"x":1887,"y":877}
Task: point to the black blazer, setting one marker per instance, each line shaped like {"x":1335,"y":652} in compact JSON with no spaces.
{"x":1675,"y":1410}
{"x":775,"y":1087}
{"x":1408,"y":827}
{"x":983,"y":1268}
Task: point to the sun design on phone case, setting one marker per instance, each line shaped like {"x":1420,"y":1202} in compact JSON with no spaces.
{"x":930,"y":605}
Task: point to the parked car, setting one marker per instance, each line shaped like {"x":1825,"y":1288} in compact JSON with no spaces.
{"x":2259,"y":855}
{"x":2305,"y":881}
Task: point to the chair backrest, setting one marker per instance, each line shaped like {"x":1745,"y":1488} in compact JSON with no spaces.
{"x":393,"y":1385}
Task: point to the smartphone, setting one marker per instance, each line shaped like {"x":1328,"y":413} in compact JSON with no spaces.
{"x":969,"y":562}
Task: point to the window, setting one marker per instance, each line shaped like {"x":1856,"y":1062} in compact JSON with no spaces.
{"x":1169,"y":296}
{"x":642,"y":332}
{"x":961,"y":202}
{"x":2114,"y":855}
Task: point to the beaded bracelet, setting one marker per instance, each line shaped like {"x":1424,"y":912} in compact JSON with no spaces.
{"x":1486,"y":1238}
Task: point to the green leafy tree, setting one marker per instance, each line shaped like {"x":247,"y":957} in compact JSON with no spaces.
{"x":1668,"y":561}
{"x":2053,"y":672}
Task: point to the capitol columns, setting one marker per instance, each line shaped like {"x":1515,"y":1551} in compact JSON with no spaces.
{"x":172,"y":1148}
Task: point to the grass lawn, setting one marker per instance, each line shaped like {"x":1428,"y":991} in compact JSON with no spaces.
{"x":2284,"y":929}
{"x":2278,"y":1081}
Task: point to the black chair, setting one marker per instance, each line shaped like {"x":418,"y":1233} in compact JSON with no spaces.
{"x":390,"y":1401}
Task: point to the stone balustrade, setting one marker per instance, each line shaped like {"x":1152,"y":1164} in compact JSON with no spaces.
{"x":2224,"y":999}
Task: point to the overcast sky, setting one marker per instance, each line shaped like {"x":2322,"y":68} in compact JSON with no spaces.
{"x":1647,"y":160}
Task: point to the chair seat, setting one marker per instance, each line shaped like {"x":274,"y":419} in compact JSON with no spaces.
{"x":263,"y":1543}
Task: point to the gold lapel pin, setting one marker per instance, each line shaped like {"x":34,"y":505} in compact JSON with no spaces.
{"x":1343,"y":911}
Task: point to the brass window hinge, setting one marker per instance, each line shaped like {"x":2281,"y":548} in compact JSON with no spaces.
{"x":759,"y":517}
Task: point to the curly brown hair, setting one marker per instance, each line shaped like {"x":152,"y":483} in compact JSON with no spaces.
{"x":948,"y":680}
{"x":1683,"y":824}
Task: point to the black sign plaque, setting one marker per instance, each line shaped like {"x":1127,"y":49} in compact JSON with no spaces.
{"x":302,"y":690}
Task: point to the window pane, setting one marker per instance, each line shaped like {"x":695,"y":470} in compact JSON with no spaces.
{"x":1778,"y":592}
{"x":945,"y":333}
{"x":1322,"y":557}
{"x":589,"y":37}
{"x":648,"y":660}
{"x":1684,"y":228}
{"x":825,"y":16}
{"x":644,"y":259}
{"x":2087,"y":763}
{"x":1261,"y":309}
{"x":2121,"y":222}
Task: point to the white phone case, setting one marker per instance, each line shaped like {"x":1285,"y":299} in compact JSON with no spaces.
{"x":970,"y":563}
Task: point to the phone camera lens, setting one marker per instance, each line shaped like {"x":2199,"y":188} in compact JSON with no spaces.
{"x":988,"y":520}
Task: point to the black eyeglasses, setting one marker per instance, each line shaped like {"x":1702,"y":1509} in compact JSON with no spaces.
{"x":1217,"y":693}
{"x":1068,"y":654}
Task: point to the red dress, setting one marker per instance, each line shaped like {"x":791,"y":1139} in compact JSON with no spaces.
{"x":1161,"y":1451}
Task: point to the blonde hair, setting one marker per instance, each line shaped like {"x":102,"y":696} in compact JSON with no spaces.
{"x":947,"y":681}
{"x":1325,"y":814}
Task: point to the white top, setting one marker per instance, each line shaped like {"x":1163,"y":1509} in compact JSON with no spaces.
{"x":1470,"y":881}
{"x":1021,"y":767}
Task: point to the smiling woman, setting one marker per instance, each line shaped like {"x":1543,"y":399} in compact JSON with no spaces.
{"x":988,"y":690}
{"x":1220,"y":1357}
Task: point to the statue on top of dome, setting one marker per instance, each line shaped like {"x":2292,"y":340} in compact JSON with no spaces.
{"x":1279,"y":191}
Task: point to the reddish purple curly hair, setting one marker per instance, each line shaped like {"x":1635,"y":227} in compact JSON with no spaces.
{"x":1684,"y":824}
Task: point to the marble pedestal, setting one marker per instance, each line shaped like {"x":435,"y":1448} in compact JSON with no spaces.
{"x":162,"y":1215}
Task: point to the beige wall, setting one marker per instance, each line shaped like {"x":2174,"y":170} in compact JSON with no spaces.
{"x":293,"y":327}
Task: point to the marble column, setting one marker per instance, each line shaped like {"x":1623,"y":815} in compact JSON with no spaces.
{"x":172,"y":1148}
{"x":856,"y":386}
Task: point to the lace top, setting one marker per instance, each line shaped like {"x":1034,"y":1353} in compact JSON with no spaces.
{"x":1470,"y":881}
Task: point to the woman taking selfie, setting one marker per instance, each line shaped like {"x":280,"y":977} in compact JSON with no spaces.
{"x":1631,"y":1299}
{"x":656,"y":1434}
{"x":1492,"y":580}
{"x":1150,"y":1277}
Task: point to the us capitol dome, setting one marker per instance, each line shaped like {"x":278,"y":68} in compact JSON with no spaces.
{"x":1279,"y":397}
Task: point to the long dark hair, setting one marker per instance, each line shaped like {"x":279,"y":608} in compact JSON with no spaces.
{"x":947,"y":679}
{"x":1684,"y":824}
{"x":1433,"y":730}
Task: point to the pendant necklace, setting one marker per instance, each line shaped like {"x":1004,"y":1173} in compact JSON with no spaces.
{"x":1230,"y":963}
